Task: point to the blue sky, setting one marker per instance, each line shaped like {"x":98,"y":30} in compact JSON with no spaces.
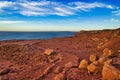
{"x":59,"y":15}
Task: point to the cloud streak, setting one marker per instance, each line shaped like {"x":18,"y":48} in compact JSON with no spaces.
{"x":11,"y":22}
{"x":116,"y":13}
{"x":5,"y":4}
{"x":43,"y":8}
{"x":114,"y":20}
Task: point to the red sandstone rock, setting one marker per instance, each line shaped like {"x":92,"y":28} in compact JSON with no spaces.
{"x":107,"y":52}
{"x":49,"y":51}
{"x":93,"y":57}
{"x":83,"y":64}
{"x":94,"y":68}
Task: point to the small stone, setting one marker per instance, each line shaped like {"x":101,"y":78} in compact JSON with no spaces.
{"x":93,"y":57}
{"x":49,"y":51}
{"x":107,"y":52}
{"x":71,"y":64}
{"x":102,"y":60}
{"x":83,"y":64}
{"x":94,"y":68}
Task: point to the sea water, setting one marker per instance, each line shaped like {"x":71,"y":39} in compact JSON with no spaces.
{"x":33,"y":35}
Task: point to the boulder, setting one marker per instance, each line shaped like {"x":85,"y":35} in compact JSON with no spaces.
{"x":107,"y":53}
{"x":60,"y":76}
{"x":94,"y":68}
{"x":83,"y":64}
{"x":93,"y":57}
{"x":49,"y":51}
{"x":109,"y":72}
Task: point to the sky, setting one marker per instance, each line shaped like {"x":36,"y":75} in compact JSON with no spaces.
{"x":59,"y":15}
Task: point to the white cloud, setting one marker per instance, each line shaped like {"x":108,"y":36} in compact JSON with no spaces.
{"x":45,"y":8}
{"x":83,"y":6}
{"x":31,"y":13}
{"x":114,"y":20}
{"x":116,"y":13}
{"x":4,"y":4}
{"x":41,"y":8}
{"x":11,"y":22}
{"x":64,"y":11}
{"x":110,"y":7}
{"x":42,"y":3}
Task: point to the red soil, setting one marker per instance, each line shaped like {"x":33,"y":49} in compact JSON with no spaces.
{"x":25,"y":59}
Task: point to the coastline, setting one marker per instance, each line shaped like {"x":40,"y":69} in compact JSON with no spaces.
{"x":25,"y":59}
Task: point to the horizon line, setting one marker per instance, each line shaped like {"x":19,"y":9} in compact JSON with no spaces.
{"x":57,"y":30}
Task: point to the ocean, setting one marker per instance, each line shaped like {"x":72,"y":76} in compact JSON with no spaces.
{"x":33,"y":35}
